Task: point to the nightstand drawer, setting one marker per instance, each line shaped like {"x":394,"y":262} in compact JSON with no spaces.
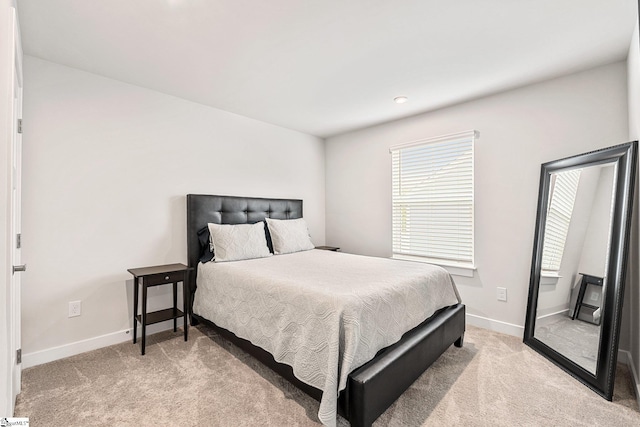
{"x":161,"y":278}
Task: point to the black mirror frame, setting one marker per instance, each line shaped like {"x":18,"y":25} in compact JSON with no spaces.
{"x":625,"y":156}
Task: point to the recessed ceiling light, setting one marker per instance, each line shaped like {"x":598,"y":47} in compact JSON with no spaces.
{"x":400,"y":99}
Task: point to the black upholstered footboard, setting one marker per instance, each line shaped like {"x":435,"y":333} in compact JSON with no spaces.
{"x":373,"y":387}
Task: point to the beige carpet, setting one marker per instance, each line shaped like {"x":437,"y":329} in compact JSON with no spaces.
{"x":494,"y":380}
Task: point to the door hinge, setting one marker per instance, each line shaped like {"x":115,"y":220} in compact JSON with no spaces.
{"x":18,"y":241}
{"x":19,"y":356}
{"x":19,"y":125}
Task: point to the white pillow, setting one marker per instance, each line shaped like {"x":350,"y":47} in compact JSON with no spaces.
{"x":235,"y":242}
{"x":290,"y":235}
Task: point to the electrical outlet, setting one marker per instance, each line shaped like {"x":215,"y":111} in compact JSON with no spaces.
{"x":75,"y":308}
{"x":502,"y":294}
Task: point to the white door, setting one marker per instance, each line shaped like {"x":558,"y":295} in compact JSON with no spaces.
{"x":16,"y":203}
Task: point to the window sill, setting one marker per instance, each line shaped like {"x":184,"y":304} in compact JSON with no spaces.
{"x":463,"y":270}
{"x":549,"y":278}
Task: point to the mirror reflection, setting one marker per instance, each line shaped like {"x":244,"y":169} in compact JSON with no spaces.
{"x":578,"y":267}
{"x":576,"y":245}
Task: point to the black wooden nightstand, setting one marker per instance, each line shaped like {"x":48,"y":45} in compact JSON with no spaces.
{"x":587,"y":280}
{"x":328,"y":248}
{"x":155,"y":276}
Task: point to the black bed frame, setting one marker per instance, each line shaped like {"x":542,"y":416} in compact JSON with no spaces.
{"x":371,"y":388}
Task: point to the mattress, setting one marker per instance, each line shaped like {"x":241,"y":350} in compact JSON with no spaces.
{"x":323,"y":313}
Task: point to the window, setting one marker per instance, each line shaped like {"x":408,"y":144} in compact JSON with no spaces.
{"x":564,"y":186}
{"x":432,"y":199}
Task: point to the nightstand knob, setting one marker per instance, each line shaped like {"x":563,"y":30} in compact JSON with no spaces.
{"x":166,"y":278}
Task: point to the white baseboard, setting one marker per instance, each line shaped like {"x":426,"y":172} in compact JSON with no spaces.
{"x":624,"y":356}
{"x":556,"y":313}
{"x":495,"y":325}
{"x":71,"y":349}
{"x":49,"y":355}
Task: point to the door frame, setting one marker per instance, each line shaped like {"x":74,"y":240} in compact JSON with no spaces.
{"x":16,"y":211}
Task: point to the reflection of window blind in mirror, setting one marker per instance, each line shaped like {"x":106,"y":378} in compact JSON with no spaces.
{"x":564,"y":186}
{"x":432,"y":199}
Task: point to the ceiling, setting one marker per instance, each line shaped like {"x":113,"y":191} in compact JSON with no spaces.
{"x":324,"y":67}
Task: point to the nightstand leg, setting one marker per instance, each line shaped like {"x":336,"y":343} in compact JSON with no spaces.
{"x":175,"y":306}
{"x":185,"y":305}
{"x":144,"y":316}
{"x":135,"y":308}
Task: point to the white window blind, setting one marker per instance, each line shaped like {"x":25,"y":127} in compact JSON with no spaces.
{"x":564,"y":186}
{"x":433,"y":199}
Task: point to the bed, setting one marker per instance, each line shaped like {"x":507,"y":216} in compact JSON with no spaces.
{"x":375,"y":383}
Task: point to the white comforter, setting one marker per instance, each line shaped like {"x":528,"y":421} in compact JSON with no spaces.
{"x":323,"y":313}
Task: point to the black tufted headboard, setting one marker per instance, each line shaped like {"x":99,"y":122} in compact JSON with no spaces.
{"x":203,"y":209}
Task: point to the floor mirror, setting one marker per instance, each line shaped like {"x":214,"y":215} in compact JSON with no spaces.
{"x":579,"y":262}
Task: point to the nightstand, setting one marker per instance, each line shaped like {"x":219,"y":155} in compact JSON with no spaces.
{"x":156,"y":276}
{"x":592,"y":306}
{"x":328,"y":248}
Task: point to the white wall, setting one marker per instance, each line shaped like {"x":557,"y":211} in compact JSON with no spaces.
{"x":107,"y":166}
{"x":519,"y":130}
{"x":595,"y":251}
